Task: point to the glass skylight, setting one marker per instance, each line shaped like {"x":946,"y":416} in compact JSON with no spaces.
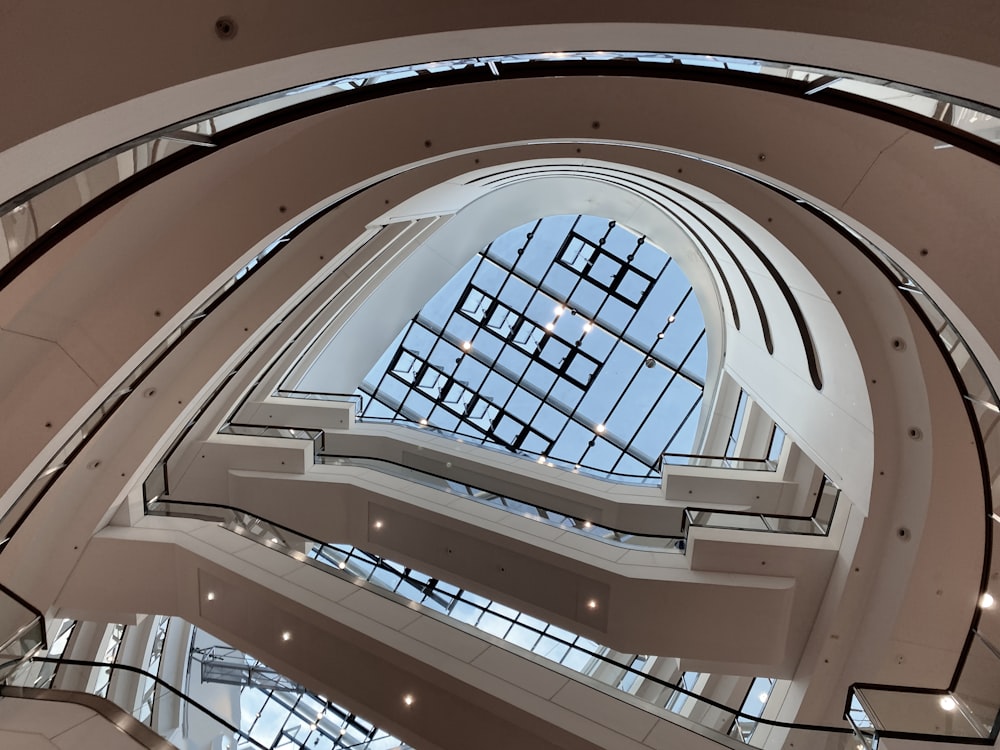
{"x":276,"y":712}
{"x":570,"y":337}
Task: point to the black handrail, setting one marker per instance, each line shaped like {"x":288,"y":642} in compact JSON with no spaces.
{"x":317,"y":436}
{"x":918,"y":736}
{"x":520,"y":70}
{"x":293,"y":393}
{"x":590,"y":471}
{"x":719,"y":458}
{"x":104,"y":412}
{"x":380,"y":561}
{"x":892,"y":273}
{"x":118,"y":716}
{"x":170,"y":688}
{"x":825,"y":482}
{"x":533,"y":504}
{"x":30,"y":607}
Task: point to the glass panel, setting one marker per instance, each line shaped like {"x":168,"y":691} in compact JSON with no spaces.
{"x":922,"y":105}
{"x":26,"y":222}
{"x":977,"y":694}
{"x":22,"y":632}
{"x":791,"y":525}
{"x":734,"y":432}
{"x":912,"y":712}
{"x":563,"y":319}
{"x":777,"y":443}
{"x":718,"y":462}
{"x":723,"y":520}
{"x":521,"y":508}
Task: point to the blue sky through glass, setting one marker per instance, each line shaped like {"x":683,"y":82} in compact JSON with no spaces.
{"x":570,"y":337}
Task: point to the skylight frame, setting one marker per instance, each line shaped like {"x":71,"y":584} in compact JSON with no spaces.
{"x":543,"y":402}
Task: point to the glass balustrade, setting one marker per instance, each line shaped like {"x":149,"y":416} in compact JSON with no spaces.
{"x":818,"y":523}
{"x":539,"y":458}
{"x":348,"y":398}
{"x":32,"y":494}
{"x":719,"y":462}
{"x":153,"y":698}
{"x":22,"y":630}
{"x":583,"y":527}
{"x":463,"y":608}
{"x":27,"y":217}
{"x":668,"y":459}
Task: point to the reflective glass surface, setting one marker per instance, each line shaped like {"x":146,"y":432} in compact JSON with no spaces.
{"x":570,"y":337}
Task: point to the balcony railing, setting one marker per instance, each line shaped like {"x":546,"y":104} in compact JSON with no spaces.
{"x":817,"y":523}
{"x":153,"y":698}
{"x":718,"y":462}
{"x":22,"y":629}
{"x":465,"y":610}
{"x":524,"y":509}
{"x":28,"y":219}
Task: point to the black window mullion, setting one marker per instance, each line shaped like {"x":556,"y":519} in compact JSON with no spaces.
{"x":487,"y":295}
{"x":665,"y":391}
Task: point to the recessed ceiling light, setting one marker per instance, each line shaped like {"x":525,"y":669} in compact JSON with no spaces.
{"x":287,"y":635}
{"x":377,"y":524}
{"x":408,"y":699}
{"x":592,"y":604}
{"x":210,"y":596}
{"x":947,"y":703}
{"x":586,"y":524}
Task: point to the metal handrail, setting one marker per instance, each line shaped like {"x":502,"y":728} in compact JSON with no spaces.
{"x":161,"y":683}
{"x":167,"y":508}
{"x":981,"y":152}
{"x":580,"y":525}
{"x":542,"y":458}
{"x":119,"y":717}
